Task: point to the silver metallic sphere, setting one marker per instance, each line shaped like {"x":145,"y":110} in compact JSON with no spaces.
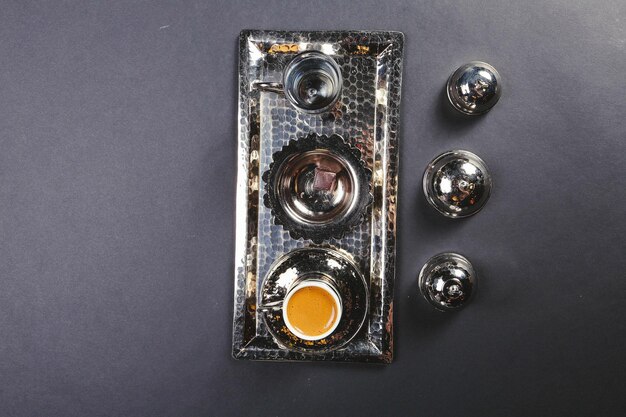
{"x":457,"y":183}
{"x":312,"y":82}
{"x":447,"y":281}
{"x":474,"y":88}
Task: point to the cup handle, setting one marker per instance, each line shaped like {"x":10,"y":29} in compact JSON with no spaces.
{"x":270,"y":87}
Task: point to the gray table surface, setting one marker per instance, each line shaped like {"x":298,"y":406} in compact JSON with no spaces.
{"x":117,"y":193}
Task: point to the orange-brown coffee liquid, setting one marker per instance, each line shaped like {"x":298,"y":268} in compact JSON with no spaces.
{"x":312,"y":311}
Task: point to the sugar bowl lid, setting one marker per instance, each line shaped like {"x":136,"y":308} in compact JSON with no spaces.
{"x":474,"y":88}
{"x":447,"y":281}
{"x":457,"y":183}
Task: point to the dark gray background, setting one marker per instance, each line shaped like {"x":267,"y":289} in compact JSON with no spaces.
{"x":117,"y":193}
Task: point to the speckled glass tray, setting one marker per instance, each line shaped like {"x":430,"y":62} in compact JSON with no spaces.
{"x":367,"y":117}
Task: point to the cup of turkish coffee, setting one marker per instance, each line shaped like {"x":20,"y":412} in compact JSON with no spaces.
{"x":312,"y":309}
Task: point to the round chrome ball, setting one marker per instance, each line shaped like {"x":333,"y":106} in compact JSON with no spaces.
{"x":474,"y":88}
{"x":447,"y":281}
{"x":457,"y":183}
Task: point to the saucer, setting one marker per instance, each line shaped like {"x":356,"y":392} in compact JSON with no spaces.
{"x":327,"y":265}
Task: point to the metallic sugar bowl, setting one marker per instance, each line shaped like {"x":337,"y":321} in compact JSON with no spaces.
{"x":318,"y":187}
{"x":457,"y":183}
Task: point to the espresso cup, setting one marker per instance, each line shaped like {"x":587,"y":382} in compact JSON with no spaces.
{"x":312,"y":309}
{"x":312,"y":82}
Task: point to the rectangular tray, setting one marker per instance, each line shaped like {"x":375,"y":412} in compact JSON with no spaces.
{"x":371,"y":62}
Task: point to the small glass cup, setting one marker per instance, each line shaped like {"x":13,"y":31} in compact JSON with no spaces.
{"x":312,"y":82}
